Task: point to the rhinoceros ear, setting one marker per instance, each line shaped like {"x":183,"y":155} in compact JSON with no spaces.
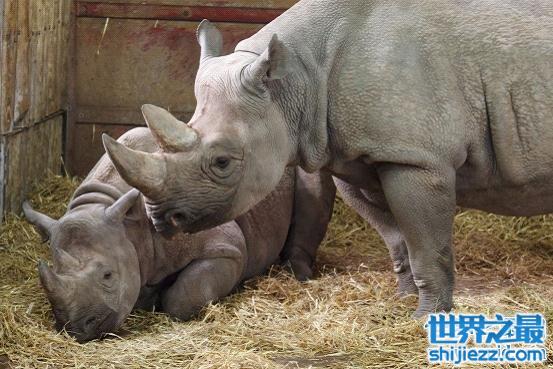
{"x":118,"y":211}
{"x":43,"y":223}
{"x":210,"y":40}
{"x":274,"y":63}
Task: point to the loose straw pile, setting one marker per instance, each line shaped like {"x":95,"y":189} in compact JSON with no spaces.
{"x":348,"y":317}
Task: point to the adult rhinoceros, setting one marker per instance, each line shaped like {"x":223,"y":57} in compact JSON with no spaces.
{"x":415,"y":105}
{"x":108,"y":258}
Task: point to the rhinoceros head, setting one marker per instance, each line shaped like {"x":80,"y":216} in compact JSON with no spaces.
{"x":230,"y":155}
{"x":95,"y":280}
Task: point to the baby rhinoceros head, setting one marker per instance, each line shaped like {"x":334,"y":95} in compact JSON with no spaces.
{"x":95,"y":279}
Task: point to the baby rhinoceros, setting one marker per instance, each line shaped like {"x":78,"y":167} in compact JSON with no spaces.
{"x":108,"y":258}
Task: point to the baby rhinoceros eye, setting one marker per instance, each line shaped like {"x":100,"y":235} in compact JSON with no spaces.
{"x":90,"y":321}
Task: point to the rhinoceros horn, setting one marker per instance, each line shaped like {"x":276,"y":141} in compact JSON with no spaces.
{"x":54,"y":285}
{"x":65,"y":259}
{"x":141,"y":170}
{"x":170,"y":133}
{"x":44,"y":223}
{"x":210,"y":40}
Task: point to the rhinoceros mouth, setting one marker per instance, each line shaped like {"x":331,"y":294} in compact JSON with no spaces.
{"x":169,"y":229}
{"x":107,"y":323}
{"x":170,"y":217}
{"x":170,"y":222}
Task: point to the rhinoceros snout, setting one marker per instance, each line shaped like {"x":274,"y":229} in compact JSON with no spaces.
{"x":94,"y":327}
{"x":170,"y":222}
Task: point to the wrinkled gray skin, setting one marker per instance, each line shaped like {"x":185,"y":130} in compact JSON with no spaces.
{"x":108,"y":257}
{"x":414,"y":106}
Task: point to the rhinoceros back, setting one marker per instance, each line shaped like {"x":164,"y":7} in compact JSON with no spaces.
{"x":265,"y":227}
{"x":409,"y":80}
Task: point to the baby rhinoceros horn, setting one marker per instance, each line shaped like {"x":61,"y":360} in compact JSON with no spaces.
{"x":65,"y":259}
{"x":42,"y":222}
{"x":170,"y":133}
{"x":54,"y":285}
{"x":118,"y":211}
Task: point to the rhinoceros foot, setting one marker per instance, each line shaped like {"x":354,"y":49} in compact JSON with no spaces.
{"x":433,"y":298}
{"x":406,"y":284}
{"x":300,"y":269}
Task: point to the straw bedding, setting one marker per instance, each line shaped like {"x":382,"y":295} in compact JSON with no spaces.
{"x":348,"y":317}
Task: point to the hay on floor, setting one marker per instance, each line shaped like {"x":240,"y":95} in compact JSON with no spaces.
{"x":348,"y":317}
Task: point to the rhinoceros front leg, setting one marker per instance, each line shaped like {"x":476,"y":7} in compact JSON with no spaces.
{"x":372,"y":207}
{"x":422,"y":202}
{"x":201,"y":282}
{"x":313,"y":203}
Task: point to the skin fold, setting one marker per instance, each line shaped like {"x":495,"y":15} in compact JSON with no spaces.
{"x":415,"y":107}
{"x":108,"y":259}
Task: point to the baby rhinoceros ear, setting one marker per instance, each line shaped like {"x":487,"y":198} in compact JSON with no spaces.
{"x":275,"y":63}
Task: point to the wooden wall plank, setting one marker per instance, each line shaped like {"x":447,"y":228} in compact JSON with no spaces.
{"x":58,"y":64}
{"x":41,"y":84}
{"x":22,"y":86}
{"x":7,"y":64}
{"x":30,"y":155}
{"x":50,"y":50}
{"x":245,"y":3}
{"x":34,"y":38}
{"x":2,"y":6}
{"x":33,"y":80}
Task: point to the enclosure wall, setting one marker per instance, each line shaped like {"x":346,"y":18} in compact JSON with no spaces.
{"x":132,"y":52}
{"x":33,"y":93}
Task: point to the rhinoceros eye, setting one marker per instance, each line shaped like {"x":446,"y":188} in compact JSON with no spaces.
{"x":222,"y":162}
{"x":107,"y":275}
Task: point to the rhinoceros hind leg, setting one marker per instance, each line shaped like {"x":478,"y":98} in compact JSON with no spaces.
{"x":202,"y":281}
{"x":313,"y":203}
{"x":422,"y":202}
{"x":372,"y":208}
